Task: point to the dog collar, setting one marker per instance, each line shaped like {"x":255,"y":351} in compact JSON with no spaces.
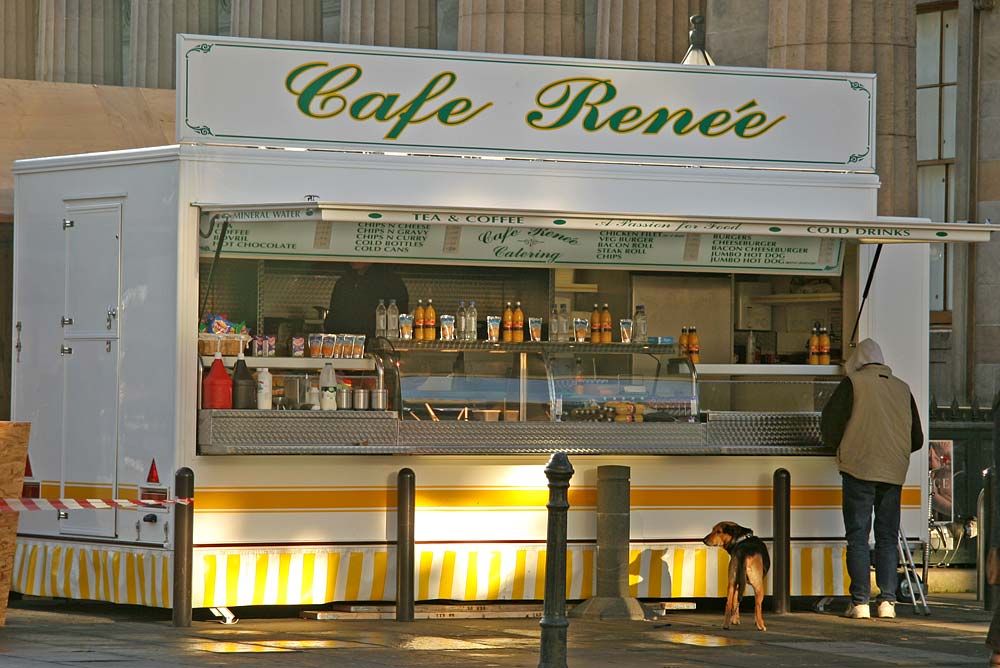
{"x":740,"y":540}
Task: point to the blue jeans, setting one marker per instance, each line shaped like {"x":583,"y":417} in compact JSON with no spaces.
{"x":860,"y":498}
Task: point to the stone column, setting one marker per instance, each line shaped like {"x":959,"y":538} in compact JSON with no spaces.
{"x":736,"y":32}
{"x":80,"y":41}
{"x":647,"y":30}
{"x":18,"y":28}
{"x":861,"y":36}
{"x":155,"y":24}
{"x":300,"y":20}
{"x":536,"y":27}
{"x":407,"y":23}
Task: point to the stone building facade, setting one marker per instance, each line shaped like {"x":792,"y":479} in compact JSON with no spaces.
{"x":131,"y":43}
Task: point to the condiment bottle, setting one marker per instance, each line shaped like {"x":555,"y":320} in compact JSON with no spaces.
{"x":814,"y":344}
{"x":418,"y":321}
{"x":217,"y":386}
{"x":694,"y":345}
{"x":263,"y":389}
{"x":683,"y":340}
{"x":430,"y":321}
{"x":595,"y":325}
{"x":328,"y":388}
{"x":518,"y":324}
{"x":605,"y":325}
{"x":508,"y":324}
{"x":824,"y":346}
{"x":244,"y":386}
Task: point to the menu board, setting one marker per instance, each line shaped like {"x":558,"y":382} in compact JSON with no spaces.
{"x":517,"y":246}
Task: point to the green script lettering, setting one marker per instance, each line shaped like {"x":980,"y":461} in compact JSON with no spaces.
{"x":321,"y":97}
{"x":585,"y":98}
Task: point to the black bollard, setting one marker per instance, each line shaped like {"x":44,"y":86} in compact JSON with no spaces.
{"x":781,"y":524}
{"x":183,"y":546}
{"x":405,"y":504}
{"x":554,"y":623}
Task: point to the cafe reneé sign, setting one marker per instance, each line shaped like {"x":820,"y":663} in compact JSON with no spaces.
{"x":271,"y":93}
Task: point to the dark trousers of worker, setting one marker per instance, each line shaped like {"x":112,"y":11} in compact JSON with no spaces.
{"x":862,"y":499}
{"x":993,"y":637}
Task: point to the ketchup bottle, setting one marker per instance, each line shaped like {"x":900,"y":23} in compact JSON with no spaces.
{"x":217,"y":386}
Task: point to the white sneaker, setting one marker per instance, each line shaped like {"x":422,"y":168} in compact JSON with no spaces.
{"x":860,"y":611}
{"x":887,"y":610}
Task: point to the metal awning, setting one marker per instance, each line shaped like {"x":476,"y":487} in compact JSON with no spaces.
{"x":879,"y":229}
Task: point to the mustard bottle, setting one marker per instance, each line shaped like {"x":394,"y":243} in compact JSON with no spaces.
{"x":430,"y":321}
{"x":418,"y":321}
{"x":508,"y":324}
{"x":694,"y":345}
{"x":814,"y":345}
{"x":824,"y":345}
{"x":518,"y":324}
{"x":605,"y":325}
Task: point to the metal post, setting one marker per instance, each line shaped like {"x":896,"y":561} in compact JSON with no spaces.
{"x":554,"y":623}
{"x":985,"y":535}
{"x":980,"y":545}
{"x":782,"y":522}
{"x":613,"y":507}
{"x":183,"y":546}
{"x":405,"y":504}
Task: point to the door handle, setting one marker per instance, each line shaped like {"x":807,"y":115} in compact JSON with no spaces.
{"x":112,"y":314}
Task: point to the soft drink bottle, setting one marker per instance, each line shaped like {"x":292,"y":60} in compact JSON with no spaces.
{"x":518,"y":325}
{"x":640,"y":325}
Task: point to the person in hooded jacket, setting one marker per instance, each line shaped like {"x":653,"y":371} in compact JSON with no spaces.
{"x":873,"y":422}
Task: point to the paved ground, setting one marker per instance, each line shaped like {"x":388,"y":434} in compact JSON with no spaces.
{"x":42,"y":633}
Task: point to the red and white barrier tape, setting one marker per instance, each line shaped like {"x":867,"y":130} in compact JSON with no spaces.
{"x":18,"y":505}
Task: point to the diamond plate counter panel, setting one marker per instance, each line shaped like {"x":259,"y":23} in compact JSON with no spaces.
{"x":741,"y":429}
{"x":285,"y":431}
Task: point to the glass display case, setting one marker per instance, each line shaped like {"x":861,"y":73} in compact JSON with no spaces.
{"x":539,"y":382}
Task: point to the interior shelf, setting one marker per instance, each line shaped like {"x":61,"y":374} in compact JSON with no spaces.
{"x":798,"y":298}
{"x":366,"y":364}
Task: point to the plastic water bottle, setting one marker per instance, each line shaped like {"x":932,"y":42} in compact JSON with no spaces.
{"x":392,"y":320}
{"x":554,"y":324}
{"x":639,"y":323}
{"x":460,"y":323}
{"x":264,"y":390}
{"x":564,"y":324}
{"x":381,"y":317}
{"x":328,"y":388}
{"x":471,"y":317}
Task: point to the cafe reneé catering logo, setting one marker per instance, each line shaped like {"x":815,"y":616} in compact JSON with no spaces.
{"x":324,"y":91}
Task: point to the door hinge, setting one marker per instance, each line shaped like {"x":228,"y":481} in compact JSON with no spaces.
{"x":17,"y":344}
{"x":65,"y":350}
{"x":66,"y":322}
{"x":67,"y":223}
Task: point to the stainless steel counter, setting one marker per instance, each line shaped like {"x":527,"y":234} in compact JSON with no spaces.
{"x":232,"y":432}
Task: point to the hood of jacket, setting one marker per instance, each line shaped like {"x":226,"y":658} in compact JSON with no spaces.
{"x":867,"y":352}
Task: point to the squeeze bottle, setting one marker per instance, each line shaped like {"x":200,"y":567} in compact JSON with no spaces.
{"x":217,"y":387}
{"x":263,"y":390}
{"x":328,"y":388}
{"x":244,"y":386}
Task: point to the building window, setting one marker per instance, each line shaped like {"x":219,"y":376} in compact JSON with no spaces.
{"x":937,"y":85}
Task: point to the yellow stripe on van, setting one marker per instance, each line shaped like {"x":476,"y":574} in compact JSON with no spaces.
{"x":540,"y":576}
{"x":806,"y":571}
{"x":380,"y":568}
{"x":332,"y":571}
{"x":232,"y":577}
{"x":520,"y":573}
{"x":260,"y":578}
{"x":700,"y":572}
{"x":445,"y":589}
{"x":354,"y":564}
{"x":587,"y":590}
{"x":284,"y":566}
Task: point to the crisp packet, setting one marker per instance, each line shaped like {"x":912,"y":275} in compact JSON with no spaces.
{"x":359,"y":346}
{"x":298,"y":346}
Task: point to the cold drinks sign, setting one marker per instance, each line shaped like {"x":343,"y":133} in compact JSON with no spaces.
{"x":257,"y":92}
